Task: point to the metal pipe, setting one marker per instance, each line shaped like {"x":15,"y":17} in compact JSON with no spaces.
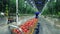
{"x":17,"y":11}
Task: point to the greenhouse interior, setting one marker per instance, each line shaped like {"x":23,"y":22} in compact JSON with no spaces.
{"x":29,"y":16}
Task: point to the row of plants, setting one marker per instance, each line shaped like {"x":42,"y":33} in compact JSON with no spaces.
{"x":52,"y":8}
{"x":9,"y":6}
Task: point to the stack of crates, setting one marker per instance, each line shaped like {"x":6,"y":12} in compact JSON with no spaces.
{"x":27,"y":28}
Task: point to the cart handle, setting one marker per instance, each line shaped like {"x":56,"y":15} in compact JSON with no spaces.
{"x":14,"y":26}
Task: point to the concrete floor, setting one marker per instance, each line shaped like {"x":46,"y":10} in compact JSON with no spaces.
{"x":45,"y":27}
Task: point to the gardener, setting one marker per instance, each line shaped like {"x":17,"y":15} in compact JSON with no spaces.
{"x":37,"y":13}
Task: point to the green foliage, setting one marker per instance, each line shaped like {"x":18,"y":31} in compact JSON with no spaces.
{"x":24,"y":8}
{"x":52,"y":8}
